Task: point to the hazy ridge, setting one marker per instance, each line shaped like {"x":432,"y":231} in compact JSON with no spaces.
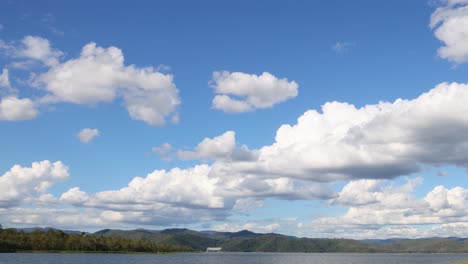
{"x":247,"y":241}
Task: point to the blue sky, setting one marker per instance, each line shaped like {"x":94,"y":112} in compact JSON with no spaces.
{"x":203,"y":91}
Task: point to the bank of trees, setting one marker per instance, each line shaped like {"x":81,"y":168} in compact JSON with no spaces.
{"x":12,"y":240}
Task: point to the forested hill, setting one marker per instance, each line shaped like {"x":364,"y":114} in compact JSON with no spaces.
{"x":13,"y":240}
{"x":247,"y":241}
{"x":176,"y":240}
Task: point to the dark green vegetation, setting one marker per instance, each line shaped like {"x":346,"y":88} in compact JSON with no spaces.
{"x":176,"y":240}
{"x":12,"y":240}
{"x":429,"y":245}
{"x":247,"y":241}
{"x":278,"y":243}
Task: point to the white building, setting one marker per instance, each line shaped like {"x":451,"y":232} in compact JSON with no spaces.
{"x":213,"y":249}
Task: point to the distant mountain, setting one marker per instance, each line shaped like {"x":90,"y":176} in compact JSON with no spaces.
{"x":244,"y":240}
{"x":32,"y":229}
{"x":54,"y":240}
{"x":281,"y":243}
{"x":429,"y":245}
{"x":247,"y":241}
{"x":189,"y":238}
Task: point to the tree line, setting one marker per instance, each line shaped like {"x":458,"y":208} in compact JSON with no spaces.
{"x":12,"y":240}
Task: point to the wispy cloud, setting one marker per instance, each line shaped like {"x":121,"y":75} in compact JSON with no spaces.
{"x":164,"y":151}
{"x":442,"y":174}
{"x":342,"y":47}
{"x":49,"y":21}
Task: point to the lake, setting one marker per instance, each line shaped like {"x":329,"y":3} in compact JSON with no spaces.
{"x":230,"y":258}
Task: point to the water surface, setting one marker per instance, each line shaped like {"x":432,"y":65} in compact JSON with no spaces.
{"x":231,"y":258}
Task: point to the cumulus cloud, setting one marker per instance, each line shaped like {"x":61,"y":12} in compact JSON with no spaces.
{"x":15,"y":109}
{"x":383,"y":209}
{"x":74,"y":196}
{"x":450,"y":25}
{"x":200,"y":193}
{"x":86,"y":135}
{"x":366,"y":192}
{"x":383,"y":140}
{"x":190,"y":187}
{"x":223,"y":147}
{"x":22,"y":183}
{"x":99,"y":75}
{"x":366,"y":145}
{"x":241,"y":92}
{"x":202,"y":186}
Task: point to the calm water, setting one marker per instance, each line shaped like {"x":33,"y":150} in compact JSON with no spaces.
{"x":232,"y":258}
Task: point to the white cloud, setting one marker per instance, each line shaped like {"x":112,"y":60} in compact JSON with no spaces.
{"x":457,"y":229}
{"x":379,"y":141}
{"x":45,"y":200}
{"x":381,"y":211}
{"x":99,"y":75}
{"x":245,"y":205}
{"x":366,"y":192}
{"x":341,"y":142}
{"x":86,"y":135}
{"x":384,"y":140}
{"x":4,"y":79}
{"x":6,"y":89}
{"x":200,"y":192}
{"x":74,"y":196}
{"x":230,"y":105}
{"x":191,"y":187}
{"x":76,"y":218}
{"x":448,"y":202}
{"x":241,"y":92}
{"x":15,"y":109}
{"x":32,"y":48}
{"x":222,"y":147}
{"x":57,"y":217}
{"x":361,"y":192}
{"x":450,"y":25}
{"x":257,"y":227}
{"x":38,"y":48}
{"x":22,"y":183}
